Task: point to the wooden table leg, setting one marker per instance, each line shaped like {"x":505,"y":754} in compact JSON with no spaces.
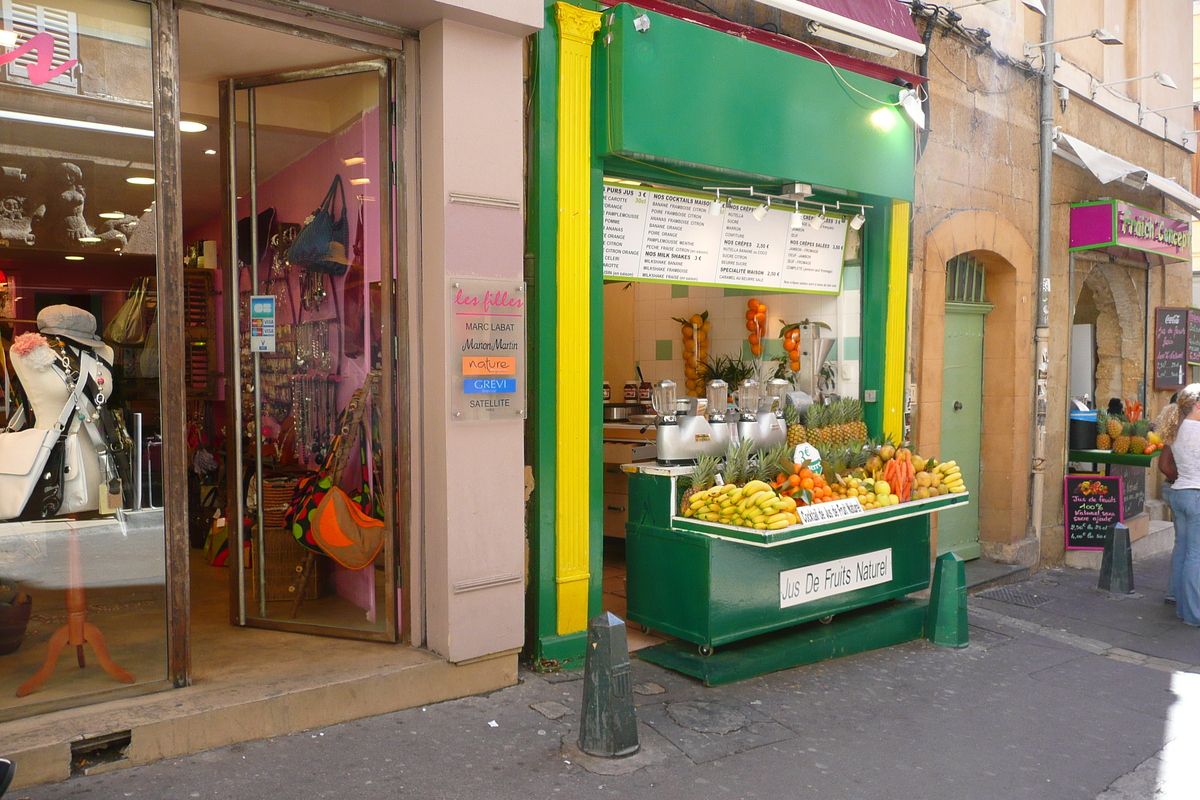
{"x":78,"y":631}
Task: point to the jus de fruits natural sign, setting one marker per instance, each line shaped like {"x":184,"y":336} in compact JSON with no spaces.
{"x":487,"y":349}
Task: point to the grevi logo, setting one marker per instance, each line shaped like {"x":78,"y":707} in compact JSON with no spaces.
{"x":42,"y":70}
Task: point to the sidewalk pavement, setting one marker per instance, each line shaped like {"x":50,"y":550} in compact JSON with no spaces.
{"x":1064,"y":692}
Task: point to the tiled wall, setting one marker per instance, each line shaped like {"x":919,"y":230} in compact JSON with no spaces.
{"x":657,"y":342}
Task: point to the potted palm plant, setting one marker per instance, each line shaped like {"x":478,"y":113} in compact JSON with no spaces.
{"x":15,"y":606}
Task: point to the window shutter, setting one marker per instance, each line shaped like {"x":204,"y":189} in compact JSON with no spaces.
{"x":27,"y":21}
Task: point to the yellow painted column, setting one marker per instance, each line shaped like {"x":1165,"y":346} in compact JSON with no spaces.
{"x":895,"y":352}
{"x":576,"y":29}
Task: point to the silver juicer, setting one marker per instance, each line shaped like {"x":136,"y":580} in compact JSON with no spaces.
{"x":682,"y":435}
{"x":760,"y":422}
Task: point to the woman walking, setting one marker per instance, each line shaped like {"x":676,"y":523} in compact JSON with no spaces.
{"x":1180,"y":431}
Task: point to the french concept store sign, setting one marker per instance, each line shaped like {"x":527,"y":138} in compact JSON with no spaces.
{"x":1109,"y":223}
{"x":487,"y":349}
{"x":652,"y":235}
{"x":805,"y":584}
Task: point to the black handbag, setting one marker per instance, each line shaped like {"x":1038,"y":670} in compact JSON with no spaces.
{"x":324,"y":240}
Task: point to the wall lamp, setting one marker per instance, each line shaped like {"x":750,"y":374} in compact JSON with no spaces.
{"x":1032,"y":5}
{"x":1099,"y":34}
{"x":1162,"y":78}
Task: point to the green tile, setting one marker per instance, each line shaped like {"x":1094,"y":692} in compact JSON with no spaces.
{"x":679,"y":290}
{"x":853,"y":346}
{"x":773,"y":348}
{"x":664,"y":349}
{"x":742,"y":292}
{"x":833,"y":351}
{"x":851,"y":278}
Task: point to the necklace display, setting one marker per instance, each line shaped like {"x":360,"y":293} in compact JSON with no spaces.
{"x":314,"y":414}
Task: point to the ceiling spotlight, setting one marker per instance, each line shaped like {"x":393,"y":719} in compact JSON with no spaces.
{"x":113,"y":215}
{"x":716,"y":206}
{"x":858,"y":221}
{"x":641,"y":23}
{"x":796,"y":220}
{"x":912,"y":107}
{"x":359,"y":181}
{"x":188,"y":126}
{"x":140,"y":180}
{"x":73,"y":258}
{"x":817,"y":220}
{"x":760,"y":212}
{"x":350,"y":162}
{"x":210,"y":152}
{"x":88,"y":239}
{"x":145,"y":211}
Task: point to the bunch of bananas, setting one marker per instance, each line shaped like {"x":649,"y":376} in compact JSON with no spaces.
{"x":755,"y":505}
{"x":951,"y":476}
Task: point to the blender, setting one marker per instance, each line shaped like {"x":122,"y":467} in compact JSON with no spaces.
{"x":722,"y":419}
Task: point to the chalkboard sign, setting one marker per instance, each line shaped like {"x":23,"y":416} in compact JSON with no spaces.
{"x":1193,"y":348}
{"x":1093,"y":505}
{"x":1133,"y":488}
{"x":1171,"y":347}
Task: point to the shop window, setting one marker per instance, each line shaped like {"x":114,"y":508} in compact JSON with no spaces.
{"x":965,"y":280}
{"x":28,"y":21}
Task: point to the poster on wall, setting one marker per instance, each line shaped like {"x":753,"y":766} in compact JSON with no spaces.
{"x":487,"y":349}
{"x":652,"y":235}
{"x":1094,"y":503}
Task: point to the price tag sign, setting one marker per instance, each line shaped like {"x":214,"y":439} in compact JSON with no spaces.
{"x":806,"y":452}
{"x":828,"y":512}
{"x":262,"y":323}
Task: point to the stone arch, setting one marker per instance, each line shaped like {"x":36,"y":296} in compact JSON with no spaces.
{"x":1120,"y":317}
{"x":1008,"y":370}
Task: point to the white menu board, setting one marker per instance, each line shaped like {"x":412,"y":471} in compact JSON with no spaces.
{"x":658,"y":236}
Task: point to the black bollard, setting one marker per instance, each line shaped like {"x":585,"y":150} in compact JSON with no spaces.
{"x":1116,"y":567}
{"x":609,"y":725}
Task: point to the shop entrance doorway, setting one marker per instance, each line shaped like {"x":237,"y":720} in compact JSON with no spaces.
{"x":962,"y":398}
{"x":306,"y":394}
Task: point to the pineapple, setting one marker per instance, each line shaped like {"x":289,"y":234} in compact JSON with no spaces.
{"x":1138,"y":442}
{"x":815,"y":424}
{"x":857,"y":428}
{"x":1103,"y":440}
{"x":771,"y":462}
{"x":1122,"y":440}
{"x":1116,"y":425}
{"x":795,"y":431}
{"x":737,"y":462}
{"x":702,"y":478}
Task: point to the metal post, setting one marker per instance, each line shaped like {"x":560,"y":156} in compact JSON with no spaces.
{"x":236,"y":497}
{"x":137,"y":449}
{"x":260,"y":562}
{"x":1041,"y":354}
{"x":1116,"y":566}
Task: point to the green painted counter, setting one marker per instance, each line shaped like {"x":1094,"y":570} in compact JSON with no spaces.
{"x":1109,"y":457}
{"x":712,"y":584}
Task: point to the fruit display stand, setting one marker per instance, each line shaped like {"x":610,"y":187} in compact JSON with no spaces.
{"x":736,"y":597}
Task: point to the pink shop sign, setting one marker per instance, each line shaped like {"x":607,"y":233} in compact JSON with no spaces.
{"x":1109,"y":223}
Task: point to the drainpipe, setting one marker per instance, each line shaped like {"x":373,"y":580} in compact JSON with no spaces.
{"x":1042,"y":333}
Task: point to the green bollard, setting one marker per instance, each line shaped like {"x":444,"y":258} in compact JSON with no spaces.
{"x":946,"y":617}
{"x":608,"y":726}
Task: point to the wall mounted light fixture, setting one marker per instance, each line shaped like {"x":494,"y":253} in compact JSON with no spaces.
{"x":1162,"y":78}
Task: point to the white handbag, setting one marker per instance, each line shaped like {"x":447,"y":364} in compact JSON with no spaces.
{"x":23,"y":454}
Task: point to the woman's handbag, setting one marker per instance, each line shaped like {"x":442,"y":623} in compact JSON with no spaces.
{"x":324,"y":239}
{"x":129,"y":325}
{"x":148,"y":358}
{"x":343,"y":524}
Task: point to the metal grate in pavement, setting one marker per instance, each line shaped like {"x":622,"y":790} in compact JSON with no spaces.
{"x":1016,"y":595}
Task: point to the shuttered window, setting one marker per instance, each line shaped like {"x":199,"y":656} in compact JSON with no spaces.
{"x":27,"y":20}
{"x":965,"y":280}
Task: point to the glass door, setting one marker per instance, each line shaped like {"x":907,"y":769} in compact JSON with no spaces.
{"x":308,"y":180}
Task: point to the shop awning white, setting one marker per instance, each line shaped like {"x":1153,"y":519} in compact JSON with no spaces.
{"x":1108,"y":168}
{"x":878,"y":26}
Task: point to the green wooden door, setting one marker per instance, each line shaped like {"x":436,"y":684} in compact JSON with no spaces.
{"x":962,"y":420}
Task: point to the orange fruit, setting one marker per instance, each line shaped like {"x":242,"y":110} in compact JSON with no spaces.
{"x":752,"y":304}
{"x":754,"y":338}
{"x":795,"y":365}
{"x":756,"y":349}
{"x":806,"y":473}
{"x":761,"y":318}
{"x":807,"y":483}
{"x":789,"y":345}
